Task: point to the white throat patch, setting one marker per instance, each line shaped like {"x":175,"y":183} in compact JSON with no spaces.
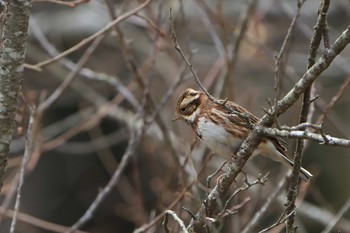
{"x":193,"y":116}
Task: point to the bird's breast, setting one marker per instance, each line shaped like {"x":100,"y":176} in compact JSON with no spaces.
{"x":216,"y":137}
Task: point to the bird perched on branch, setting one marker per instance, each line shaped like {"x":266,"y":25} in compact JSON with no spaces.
{"x":223,"y":127}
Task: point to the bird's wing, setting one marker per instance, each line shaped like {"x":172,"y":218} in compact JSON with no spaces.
{"x":240,"y":115}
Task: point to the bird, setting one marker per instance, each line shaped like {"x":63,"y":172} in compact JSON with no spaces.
{"x":223,"y":129}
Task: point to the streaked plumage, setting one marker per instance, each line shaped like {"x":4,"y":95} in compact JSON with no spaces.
{"x":224,"y":132}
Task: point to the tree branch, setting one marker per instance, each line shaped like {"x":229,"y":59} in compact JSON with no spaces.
{"x":293,"y":186}
{"x":135,"y":137}
{"x":12,"y":55}
{"x":255,"y":137}
{"x":322,"y":139}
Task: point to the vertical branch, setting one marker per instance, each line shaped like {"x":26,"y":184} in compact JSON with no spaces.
{"x":11,"y":71}
{"x":231,"y":59}
{"x":208,"y":206}
{"x":280,"y":55}
{"x":314,"y":45}
{"x":27,"y":154}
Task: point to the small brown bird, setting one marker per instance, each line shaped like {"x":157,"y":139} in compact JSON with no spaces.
{"x":223,"y":131}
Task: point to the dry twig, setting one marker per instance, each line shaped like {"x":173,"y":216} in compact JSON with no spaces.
{"x":87,"y":40}
{"x":255,"y":137}
{"x":176,"y":218}
{"x":26,"y":157}
{"x":337,"y":217}
{"x":304,"y":115}
{"x":133,"y":142}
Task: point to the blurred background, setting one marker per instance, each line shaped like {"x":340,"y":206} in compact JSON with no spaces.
{"x":80,"y":139}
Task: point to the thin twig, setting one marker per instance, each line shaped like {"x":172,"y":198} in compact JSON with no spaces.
{"x":301,"y":126}
{"x":188,"y":211}
{"x":232,"y":56}
{"x":260,"y":180}
{"x":98,"y":143}
{"x":65,"y":3}
{"x":29,"y":219}
{"x":196,"y":78}
{"x":85,"y":72}
{"x":92,"y":37}
{"x":64,"y":85}
{"x":337,"y":217}
{"x":319,"y":137}
{"x":255,"y":137}
{"x":167,"y":95}
{"x":279,"y":222}
{"x":27,"y":154}
{"x":279,"y":65}
{"x":234,"y":209}
{"x":334,"y":100}
{"x":175,"y":202}
{"x":133,"y":142}
{"x":176,"y":218}
{"x":178,"y":48}
{"x":161,"y":215}
{"x":88,"y":122}
{"x":319,"y":28}
{"x":215,"y":173}
{"x":260,"y":213}
{"x":294,"y":76}
{"x":303,"y":117}
{"x":321,"y":215}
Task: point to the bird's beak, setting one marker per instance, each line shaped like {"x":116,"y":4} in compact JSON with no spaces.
{"x":175,"y":117}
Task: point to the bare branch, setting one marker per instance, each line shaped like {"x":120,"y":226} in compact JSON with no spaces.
{"x":12,"y":54}
{"x":130,"y":84}
{"x":176,"y":218}
{"x":336,"y":218}
{"x":85,"y":72}
{"x":196,"y":78}
{"x":260,"y":213}
{"x":64,"y":85}
{"x":215,"y":173}
{"x":73,"y":3}
{"x":303,"y":117}
{"x":26,"y":157}
{"x":133,"y":142}
{"x":40,"y":223}
{"x":92,"y":37}
{"x":260,"y":180}
{"x":321,"y":215}
{"x":255,"y":137}
{"x":279,"y":57}
{"x":161,"y":215}
{"x":334,"y":100}
{"x":279,"y":222}
{"x":178,"y":48}
{"x":296,"y":132}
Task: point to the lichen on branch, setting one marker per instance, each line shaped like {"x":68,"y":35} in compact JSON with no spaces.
{"x":12,"y":54}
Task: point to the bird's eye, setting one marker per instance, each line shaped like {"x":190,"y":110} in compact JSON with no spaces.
{"x":183,"y":109}
{"x":193,"y":94}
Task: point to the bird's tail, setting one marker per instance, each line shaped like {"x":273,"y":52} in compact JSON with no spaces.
{"x":304,"y":174}
{"x":275,"y":151}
